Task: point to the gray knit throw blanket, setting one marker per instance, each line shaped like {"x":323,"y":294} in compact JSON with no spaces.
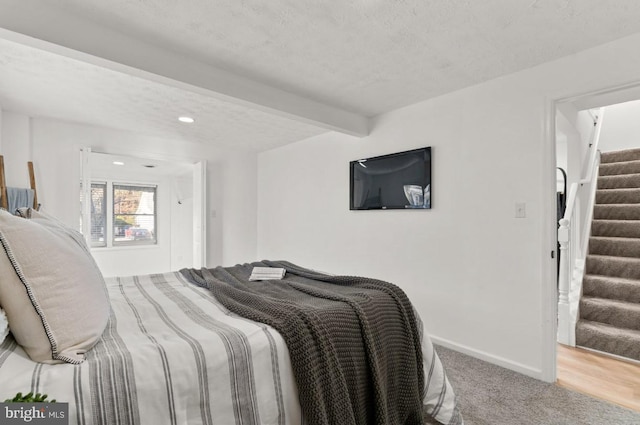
{"x":354,"y":342}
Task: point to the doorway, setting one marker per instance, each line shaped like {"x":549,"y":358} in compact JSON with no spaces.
{"x":621,"y":106}
{"x":144,"y":215}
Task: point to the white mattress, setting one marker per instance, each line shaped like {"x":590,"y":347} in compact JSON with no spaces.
{"x":172,"y":354}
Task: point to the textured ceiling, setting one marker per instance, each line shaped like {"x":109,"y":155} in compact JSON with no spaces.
{"x":102,"y":165}
{"x":370,"y":56}
{"x":40,"y":83}
{"x":364,"y":56}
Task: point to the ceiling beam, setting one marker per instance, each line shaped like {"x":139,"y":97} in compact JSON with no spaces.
{"x":40,"y":25}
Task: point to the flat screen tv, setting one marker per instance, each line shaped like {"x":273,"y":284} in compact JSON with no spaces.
{"x":397,"y":181}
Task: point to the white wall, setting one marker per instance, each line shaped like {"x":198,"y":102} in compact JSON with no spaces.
{"x":53,"y":146}
{"x":621,"y":127}
{"x":480,"y":278}
{"x":16,"y":148}
{"x":577,"y":128}
{"x":240,"y":192}
{"x":182,"y":221}
{"x":585,"y":125}
{"x":232,"y":221}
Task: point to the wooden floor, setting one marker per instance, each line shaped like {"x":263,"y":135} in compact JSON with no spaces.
{"x":600,"y":376}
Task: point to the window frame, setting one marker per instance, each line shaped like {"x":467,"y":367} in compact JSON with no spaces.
{"x":112,"y":215}
{"x":109,"y":214}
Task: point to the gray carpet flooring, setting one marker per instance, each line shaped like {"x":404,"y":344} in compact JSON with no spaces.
{"x":610,"y":305}
{"x":492,"y":395}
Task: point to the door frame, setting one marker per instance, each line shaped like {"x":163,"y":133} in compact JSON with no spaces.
{"x":599,"y":98}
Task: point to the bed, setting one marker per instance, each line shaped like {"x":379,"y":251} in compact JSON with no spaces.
{"x":171,"y":353}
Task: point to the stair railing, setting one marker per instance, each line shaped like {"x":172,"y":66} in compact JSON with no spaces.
{"x":573,"y":238}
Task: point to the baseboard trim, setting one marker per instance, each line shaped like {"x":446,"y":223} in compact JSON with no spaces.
{"x":609,"y":355}
{"x":482,"y":355}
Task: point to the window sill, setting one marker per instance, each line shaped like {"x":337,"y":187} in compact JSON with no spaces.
{"x":124,"y":247}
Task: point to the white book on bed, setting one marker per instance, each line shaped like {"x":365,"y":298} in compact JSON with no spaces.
{"x":267,"y":273}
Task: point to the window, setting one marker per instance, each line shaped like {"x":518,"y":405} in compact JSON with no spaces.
{"x":134,"y":214}
{"x":122,"y":214}
{"x":98,"y":214}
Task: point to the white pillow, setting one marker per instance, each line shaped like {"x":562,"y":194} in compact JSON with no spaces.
{"x":4,"y":326}
{"x":50,"y":288}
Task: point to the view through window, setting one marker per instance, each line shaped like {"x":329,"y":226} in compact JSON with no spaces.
{"x":134,"y":214}
{"x":98,"y":214}
{"x":129,"y":211}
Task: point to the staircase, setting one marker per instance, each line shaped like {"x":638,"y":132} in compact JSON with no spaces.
{"x":610,"y":305}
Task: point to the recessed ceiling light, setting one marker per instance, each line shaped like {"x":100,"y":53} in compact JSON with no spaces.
{"x":186,"y":119}
{"x":118,"y":163}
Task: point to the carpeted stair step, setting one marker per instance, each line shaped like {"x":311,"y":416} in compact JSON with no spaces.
{"x":616,"y":288}
{"x":616,"y":228}
{"x":617,"y":168}
{"x":619,"y":182}
{"x":620,"y":156}
{"x":618,"y":196}
{"x":603,"y":265}
{"x":616,"y":211}
{"x":616,"y":313}
{"x":618,"y":247}
{"x":610,"y":302}
{"x":601,"y":337}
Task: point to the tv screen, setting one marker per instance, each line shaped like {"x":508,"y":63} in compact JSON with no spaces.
{"x":397,"y":181}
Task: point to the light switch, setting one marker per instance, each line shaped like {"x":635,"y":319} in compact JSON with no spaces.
{"x":521,"y":210}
